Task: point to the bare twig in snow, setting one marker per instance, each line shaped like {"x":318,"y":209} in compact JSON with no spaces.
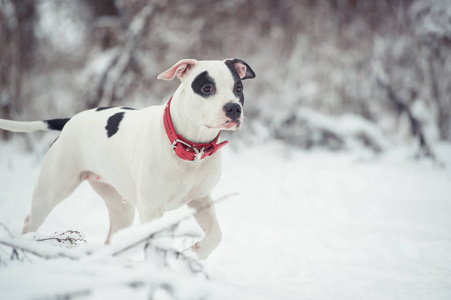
{"x":73,"y":237}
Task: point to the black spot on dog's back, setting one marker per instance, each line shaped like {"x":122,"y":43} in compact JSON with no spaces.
{"x":112,"y":125}
{"x":103,"y":108}
{"x":108,"y":107}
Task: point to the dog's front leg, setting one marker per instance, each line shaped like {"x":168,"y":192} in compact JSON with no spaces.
{"x":206,"y":218}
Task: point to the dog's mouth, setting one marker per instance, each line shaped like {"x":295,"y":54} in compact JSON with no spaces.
{"x":235,"y":124}
{"x":227,"y":125}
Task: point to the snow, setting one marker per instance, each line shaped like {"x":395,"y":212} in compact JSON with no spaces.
{"x":304,"y":225}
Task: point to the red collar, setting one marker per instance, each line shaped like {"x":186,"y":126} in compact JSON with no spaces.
{"x":185,"y":149}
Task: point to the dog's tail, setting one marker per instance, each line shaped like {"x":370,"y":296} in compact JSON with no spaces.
{"x":17,"y":126}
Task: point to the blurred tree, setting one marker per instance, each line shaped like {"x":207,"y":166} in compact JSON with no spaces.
{"x":17,"y":40}
{"x":323,"y":55}
{"x":432,"y":31}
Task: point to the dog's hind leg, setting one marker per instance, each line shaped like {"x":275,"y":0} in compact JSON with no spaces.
{"x":121,"y":213}
{"x":57,"y":180}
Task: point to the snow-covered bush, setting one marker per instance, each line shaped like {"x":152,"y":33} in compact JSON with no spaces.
{"x":309,"y":129}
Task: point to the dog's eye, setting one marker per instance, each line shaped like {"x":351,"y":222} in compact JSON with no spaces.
{"x":207,"y":89}
{"x":238,"y":89}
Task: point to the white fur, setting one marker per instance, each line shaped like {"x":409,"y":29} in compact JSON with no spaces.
{"x":137,"y":163}
{"x":22,"y":126}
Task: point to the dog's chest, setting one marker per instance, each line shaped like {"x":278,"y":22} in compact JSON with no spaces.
{"x":191,"y":185}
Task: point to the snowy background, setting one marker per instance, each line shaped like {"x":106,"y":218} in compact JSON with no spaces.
{"x":304,"y":225}
{"x":337,"y":187}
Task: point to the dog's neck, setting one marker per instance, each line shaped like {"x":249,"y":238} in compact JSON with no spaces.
{"x":188,"y":126}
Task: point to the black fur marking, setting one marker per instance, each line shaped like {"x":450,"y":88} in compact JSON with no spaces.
{"x":249,"y":72}
{"x":108,"y":107}
{"x":56,"y":124}
{"x":103,"y":108}
{"x":204,"y":85}
{"x":238,"y":85}
{"x":112,"y":125}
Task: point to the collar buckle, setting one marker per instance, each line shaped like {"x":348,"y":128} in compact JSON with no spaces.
{"x":198,"y":153}
{"x":176,"y":141}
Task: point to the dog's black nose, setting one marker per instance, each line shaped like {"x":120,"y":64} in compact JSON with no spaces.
{"x":232,"y":110}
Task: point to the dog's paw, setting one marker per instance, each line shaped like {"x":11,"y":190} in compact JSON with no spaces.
{"x":197,"y":251}
{"x":191,"y":252}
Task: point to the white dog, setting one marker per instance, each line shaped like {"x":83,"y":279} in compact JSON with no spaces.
{"x":156,"y":159}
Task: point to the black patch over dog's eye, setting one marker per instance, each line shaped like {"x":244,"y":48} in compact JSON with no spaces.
{"x":238,"y":86}
{"x":204,"y":85}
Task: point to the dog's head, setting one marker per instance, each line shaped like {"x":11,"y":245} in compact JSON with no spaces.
{"x":213,"y":90}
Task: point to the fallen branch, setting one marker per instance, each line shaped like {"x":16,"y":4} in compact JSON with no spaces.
{"x":194,"y":265}
{"x":39,"y":250}
{"x":153,"y":230}
{"x":159,"y":229}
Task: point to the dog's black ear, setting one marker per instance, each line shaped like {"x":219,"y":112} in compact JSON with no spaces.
{"x":243,"y":69}
{"x":180,"y":69}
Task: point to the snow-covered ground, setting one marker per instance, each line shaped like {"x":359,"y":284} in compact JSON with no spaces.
{"x":304,"y":225}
